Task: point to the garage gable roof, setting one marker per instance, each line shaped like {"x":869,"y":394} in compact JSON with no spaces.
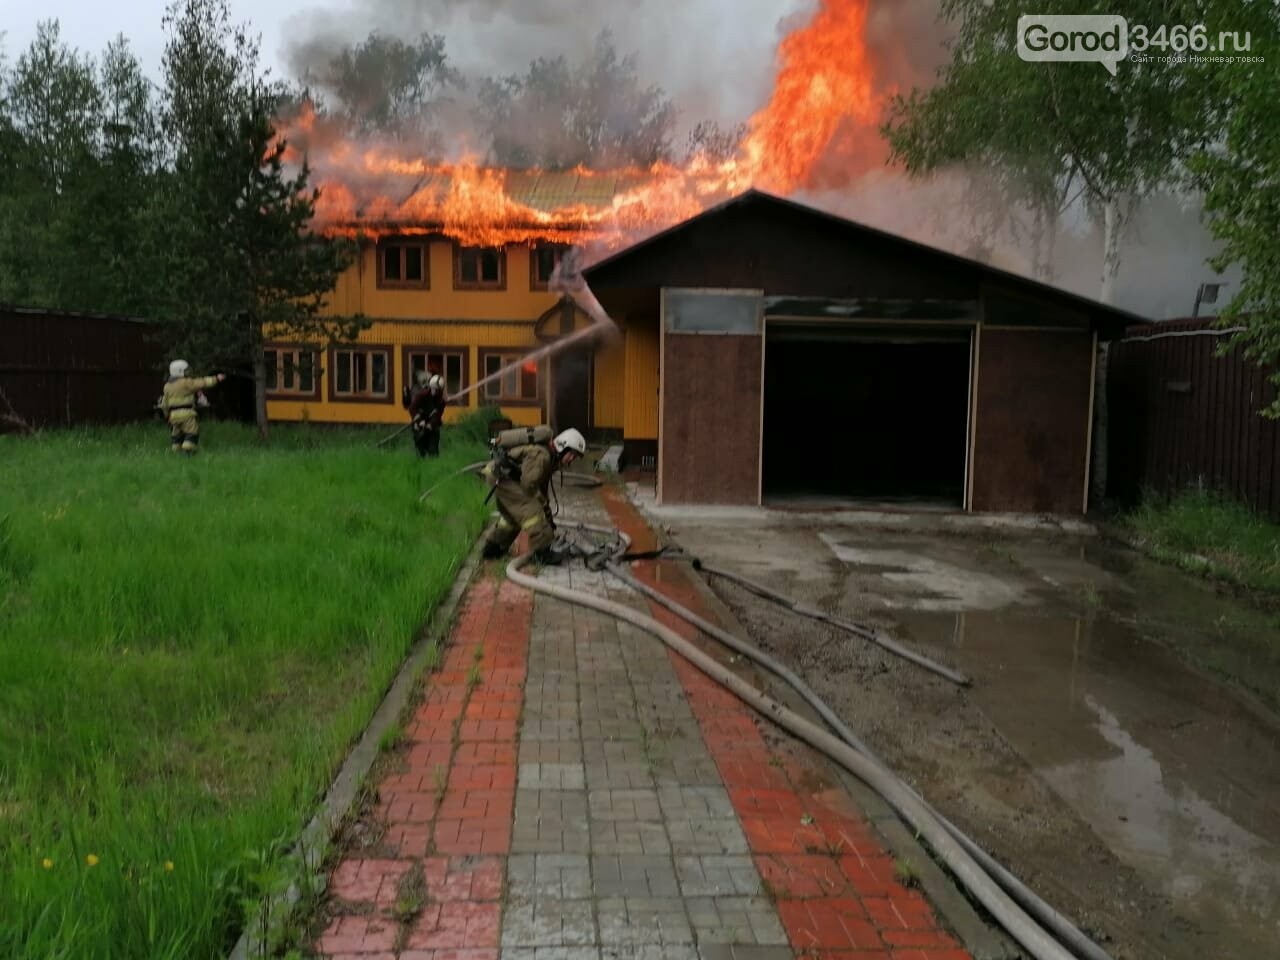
{"x":1111,"y":320}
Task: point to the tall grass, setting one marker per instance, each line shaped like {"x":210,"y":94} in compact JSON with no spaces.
{"x":187,"y":648}
{"x":1206,"y":532}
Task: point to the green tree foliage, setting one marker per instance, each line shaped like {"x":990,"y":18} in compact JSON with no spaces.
{"x":558,"y":115}
{"x":1240,"y":177}
{"x":1054,"y":128}
{"x":175,"y":205}
{"x":238,"y":259}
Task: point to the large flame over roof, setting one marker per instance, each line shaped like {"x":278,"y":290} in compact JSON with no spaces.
{"x":820,"y":122}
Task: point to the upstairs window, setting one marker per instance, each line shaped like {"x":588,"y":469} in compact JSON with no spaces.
{"x":543,"y":260}
{"x":403,"y":264}
{"x":480,"y":268}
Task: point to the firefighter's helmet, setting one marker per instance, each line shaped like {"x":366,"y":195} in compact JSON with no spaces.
{"x":178,"y":369}
{"x":422,"y":377}
{"x":436,"y":383}
{"x":570,"y":441}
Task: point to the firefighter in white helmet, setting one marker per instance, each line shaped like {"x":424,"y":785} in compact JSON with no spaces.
{"x":178,"y":404}
{"x":426,"y":409}
{"x":522,"y":476}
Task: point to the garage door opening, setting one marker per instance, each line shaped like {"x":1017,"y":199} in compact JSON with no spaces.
{"x":862,"y":416}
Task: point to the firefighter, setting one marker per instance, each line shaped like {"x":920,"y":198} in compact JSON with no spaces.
{"x":178,"y":404}
{"x":522,"y":477}
{"x":426,"y":408}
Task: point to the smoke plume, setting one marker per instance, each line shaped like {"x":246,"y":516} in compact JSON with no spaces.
{"x":716,"y":59}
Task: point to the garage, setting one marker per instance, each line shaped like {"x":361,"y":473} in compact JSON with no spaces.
{"x":858,"y":414}
{"x":779,"y":355}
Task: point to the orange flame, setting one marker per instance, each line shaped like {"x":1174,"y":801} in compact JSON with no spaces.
{"x":819,"y":124}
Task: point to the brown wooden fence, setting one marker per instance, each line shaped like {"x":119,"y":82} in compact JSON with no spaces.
{"x":1179,"y":415}
{"x":60,"y":368}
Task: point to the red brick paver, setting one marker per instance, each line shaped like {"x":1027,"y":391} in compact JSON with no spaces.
{"x":833,"y":881}
{"x":448,"y":810}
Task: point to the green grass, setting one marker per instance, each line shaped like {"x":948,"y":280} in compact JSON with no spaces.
{"x":188,"y":647}
{"x":1206,"y":533}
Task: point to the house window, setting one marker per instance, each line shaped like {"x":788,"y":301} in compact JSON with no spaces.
{"x":361,"y":374}
{"x":480,"y":268}
{"x":291,"y":371}
{"x":403,"y":264}
{"x":518,"y":385}
{"x":448,"y":362}
{"x":543,"y":259}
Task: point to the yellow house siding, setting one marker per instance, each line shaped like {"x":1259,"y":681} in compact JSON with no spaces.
{"x":609,"y":393}
{"x":357,"y":291}
{"x":439,"y":316}
{"x":640,"y":419}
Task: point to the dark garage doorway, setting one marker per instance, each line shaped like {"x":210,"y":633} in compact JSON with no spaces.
{"x":865,"y":415}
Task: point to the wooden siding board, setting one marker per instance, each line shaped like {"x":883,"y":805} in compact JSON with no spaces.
{"x":711,"y":418}
{"x":61,"y":369}
{"x":1220,"y":439}
{"x":1032,"y":432}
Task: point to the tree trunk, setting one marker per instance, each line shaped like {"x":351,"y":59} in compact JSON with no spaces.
{"x":260,"y":394}
{"x":1098,"y":480}
{"x":1112,"y":229}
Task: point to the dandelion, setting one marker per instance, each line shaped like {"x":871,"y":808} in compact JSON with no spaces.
{"x":91,"y":860}
{"x":47,"y":863}
{"x":168,"y":866}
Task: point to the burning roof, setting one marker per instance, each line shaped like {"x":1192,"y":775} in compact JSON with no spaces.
{"x":821,"y":120}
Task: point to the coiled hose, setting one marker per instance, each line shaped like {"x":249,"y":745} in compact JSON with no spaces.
{"x":850,"y":753}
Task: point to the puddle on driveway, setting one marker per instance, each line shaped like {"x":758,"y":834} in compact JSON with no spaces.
{"x":1175,"y":774}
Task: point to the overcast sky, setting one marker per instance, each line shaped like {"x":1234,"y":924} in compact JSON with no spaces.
{"x":90,"y":24}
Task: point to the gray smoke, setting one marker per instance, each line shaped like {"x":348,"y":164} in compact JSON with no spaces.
{"x":716,"y":60}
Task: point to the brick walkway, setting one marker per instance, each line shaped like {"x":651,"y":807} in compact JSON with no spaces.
{"x":573,"y":791}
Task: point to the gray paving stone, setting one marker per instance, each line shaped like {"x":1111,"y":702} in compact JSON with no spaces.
{"x":552,"y":776}
{"x":568,"y":805}
{"x":549,"y":730}
{"x":550,"y":751}
{"x":548,"y":877}
{"x":706,"y":836}
{"x":628,"y":836}
{"x":718,"y":876}
{"x":649,"y":951}
{"x":549,"y":923}
{"x":551,"y":953}
{"x":735,"y":920}
{"x":624,"y":805}
{"x":683,"y":803}
{"x":550,"y":838}
{"x":643,"y":920}
{"x":619,"y":776}
{"x":743,"y":951}
{"x":634,"y":875}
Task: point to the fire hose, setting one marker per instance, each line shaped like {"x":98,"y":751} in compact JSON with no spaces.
{"x":1011,"y":903}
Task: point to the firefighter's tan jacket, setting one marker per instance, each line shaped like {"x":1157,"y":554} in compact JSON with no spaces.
{"x":180,"y":395}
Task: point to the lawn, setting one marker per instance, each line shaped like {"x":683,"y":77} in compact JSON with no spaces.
{"x":1204,"y":532}
{"x":188,"y":647}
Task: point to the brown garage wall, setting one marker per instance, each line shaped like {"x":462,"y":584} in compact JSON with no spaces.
{"x":710,"y":440}
{"x":1031,"y":438}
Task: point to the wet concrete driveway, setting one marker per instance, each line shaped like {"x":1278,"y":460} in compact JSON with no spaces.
{"x":1100,"y":752}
